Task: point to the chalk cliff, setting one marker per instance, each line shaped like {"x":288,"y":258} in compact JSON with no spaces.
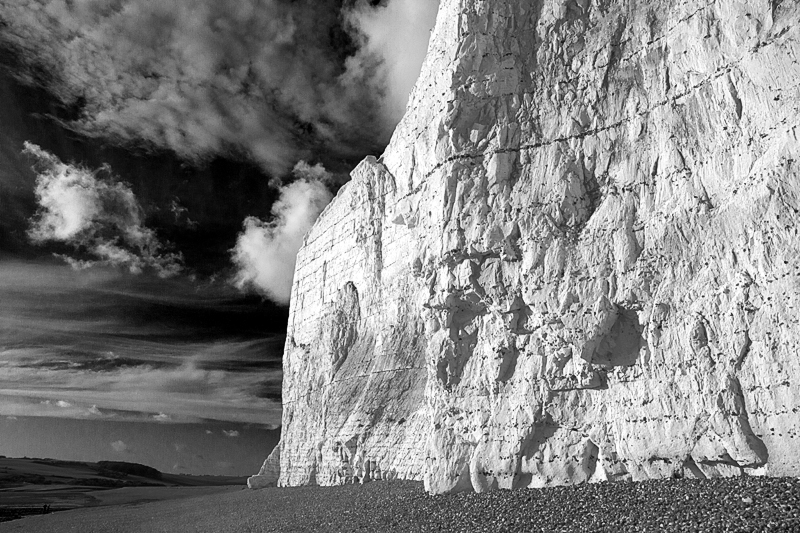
{"x":578,"y":259}
{"x":269,"y":473}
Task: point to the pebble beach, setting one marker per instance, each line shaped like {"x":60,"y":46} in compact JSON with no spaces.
{"x":746,"y":504}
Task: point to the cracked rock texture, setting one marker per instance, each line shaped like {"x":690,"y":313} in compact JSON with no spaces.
{"x":577,"y":260}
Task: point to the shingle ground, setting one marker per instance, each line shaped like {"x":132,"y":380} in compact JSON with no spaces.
{"x":734,"y":504}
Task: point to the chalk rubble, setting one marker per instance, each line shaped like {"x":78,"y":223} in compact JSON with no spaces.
{"x":577,"y":260}
{"x":269,"y":473}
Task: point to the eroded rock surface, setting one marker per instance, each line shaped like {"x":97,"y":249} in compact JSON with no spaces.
{"x":577,"y":260}
{"x":269,"y":473}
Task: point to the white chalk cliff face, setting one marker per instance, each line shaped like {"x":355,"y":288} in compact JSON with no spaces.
{"x":577,"y":260}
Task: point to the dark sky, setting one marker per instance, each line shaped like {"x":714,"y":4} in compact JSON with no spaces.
{"x":219,"y":193}
{"x":159,"y":164}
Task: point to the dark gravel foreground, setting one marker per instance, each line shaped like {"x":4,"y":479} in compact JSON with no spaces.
{"x":735,"y":504}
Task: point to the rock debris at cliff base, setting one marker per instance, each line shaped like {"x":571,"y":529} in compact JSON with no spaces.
{"x":721,"y":505}
{"x":578,"y":258}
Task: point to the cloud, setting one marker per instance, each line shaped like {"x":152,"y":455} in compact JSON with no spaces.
{"x":267,"y":78}
{"x":119,"y":446}
{"x":59,"y":327}
{"x":188,"y":393}
{"x":265,"y":252}
{"x":304,"y":170}
{"x":230,"y":433}
{"x":397,"y":34}
{"x":34,"y":406}
{"x":100,"y":218}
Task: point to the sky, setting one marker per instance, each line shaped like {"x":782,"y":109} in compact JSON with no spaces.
{"x":160,"y":163}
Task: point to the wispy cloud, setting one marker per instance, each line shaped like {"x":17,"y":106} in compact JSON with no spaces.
{"x":202,"y":76}
{"x":87,"y":344}
{"x":32,"y":405}
{"x":186,"y":392}
{"x":272,"y":79}
{"x":266,"y":252}
{"x":97,"y":217}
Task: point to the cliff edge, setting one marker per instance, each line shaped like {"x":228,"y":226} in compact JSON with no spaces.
{"x":577,"y":260}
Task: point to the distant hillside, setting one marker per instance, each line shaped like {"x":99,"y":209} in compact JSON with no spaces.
{"x":35,"y":486}
{"x":16,"y":472}
{"x":134,"y":469}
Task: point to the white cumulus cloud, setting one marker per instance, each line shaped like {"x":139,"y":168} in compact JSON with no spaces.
{"x":99,"y":218}
{"x":265,"y":252}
